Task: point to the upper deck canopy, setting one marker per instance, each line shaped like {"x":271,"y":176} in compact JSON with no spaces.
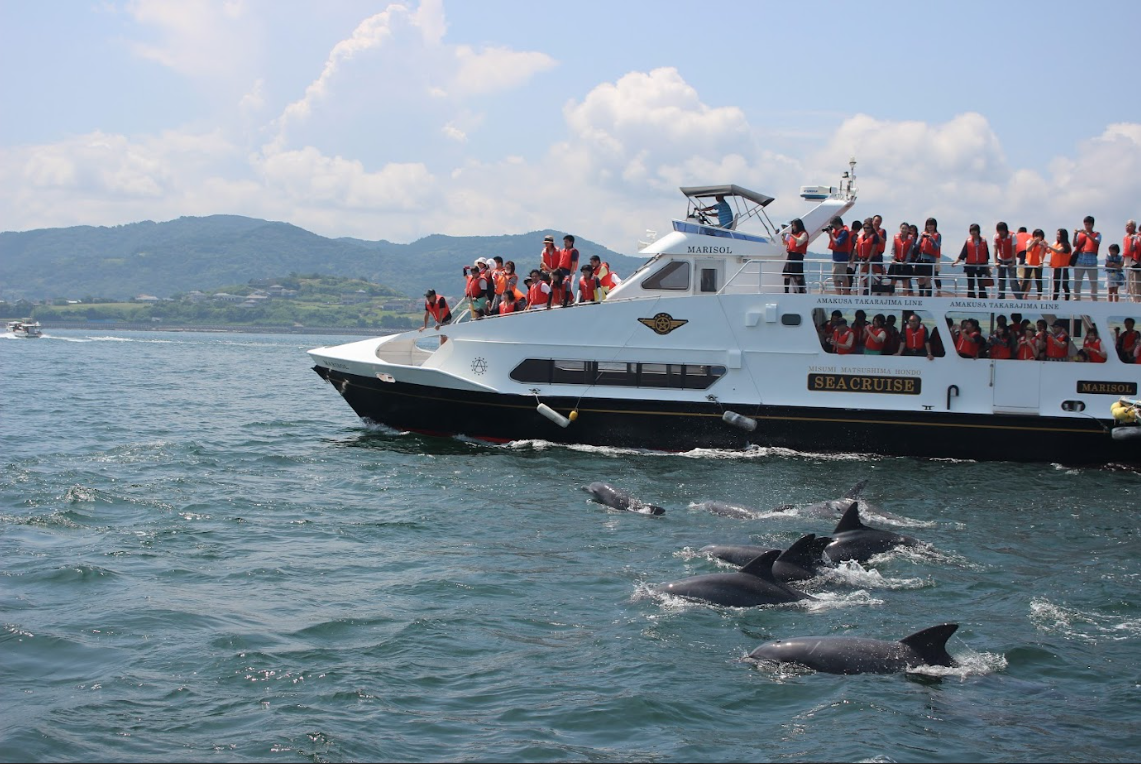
{"x":700,"y":192}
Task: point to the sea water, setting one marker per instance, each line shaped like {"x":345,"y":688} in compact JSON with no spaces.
{"x":206,"y":556}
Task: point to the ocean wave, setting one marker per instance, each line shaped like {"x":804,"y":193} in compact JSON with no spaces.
{"x":1088,"y":626}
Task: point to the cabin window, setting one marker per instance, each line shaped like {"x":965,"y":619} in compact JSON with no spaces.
{"x":708,"y":279}
{"x":895,"y":322}
{"x":618,"y":373}
{"x":674,"y":275}
{"x":570,"y":373}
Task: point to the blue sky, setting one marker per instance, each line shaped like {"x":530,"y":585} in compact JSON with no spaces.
{"x":403,"y":119}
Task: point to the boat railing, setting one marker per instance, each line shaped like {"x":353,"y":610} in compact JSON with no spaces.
{"x":766,"y":276}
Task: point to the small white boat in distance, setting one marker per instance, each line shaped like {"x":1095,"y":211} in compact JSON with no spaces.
{"x":26,"y":328}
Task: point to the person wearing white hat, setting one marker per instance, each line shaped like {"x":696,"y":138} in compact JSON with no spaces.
{"x":549,"y":257}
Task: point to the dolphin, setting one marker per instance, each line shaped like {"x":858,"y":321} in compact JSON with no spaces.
{"x":726,"y":509}
{"x":829,"y":508}
{"x":800,"y":561}
{"x":852,"y":540}
{"x":616,"y":498}
{"x":856,"y":655}
{"x":753,"y":585}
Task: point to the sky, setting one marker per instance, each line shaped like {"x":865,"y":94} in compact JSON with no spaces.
{"x":397,"y":120}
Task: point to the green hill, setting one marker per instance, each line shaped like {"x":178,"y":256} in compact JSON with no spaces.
{"x":190,"y":253}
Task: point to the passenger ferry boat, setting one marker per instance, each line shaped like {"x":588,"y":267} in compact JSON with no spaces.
{"x":702,"y":348}
{"x":26,"y":328}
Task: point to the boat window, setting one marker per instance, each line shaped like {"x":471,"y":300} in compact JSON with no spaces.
{"x":1027,"y":336}
{"x":569,"y":373}
{"x":1121,"y":338}
{"x":895,"y":323}
{"x":618,"y":373}
{"x":673,"y":275}
{"x":708,"y":279}
{"x":790,"y":319}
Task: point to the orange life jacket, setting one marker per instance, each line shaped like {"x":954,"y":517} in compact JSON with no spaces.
{"x":931,"y":246}
{"x":1057,"y":346}
{"x":1022,"y":241}
{"x":1087,"y":242}
{"x":587,"y":289}
{"x":793,"y":247}
{"x":506,"y":305}
{"x":1093,"y":349}
{"x":1035,"y":252}
{"x":977,"y":253}
{"x":967,"y":345}
{"x":476,"y":285}
{"x":1000,"y":349}
{"x":535,"y":295}
{"x":1027,"y":349}
{"x":901,"y":248}
{"x":874,"y":338}
{"x":1131,"y":247}
{"x":915,"y":339}
{"x":1004,"y":247}
{"x":843,"y":340}
{"x":438,"y":310}
{"x":865,"y":246}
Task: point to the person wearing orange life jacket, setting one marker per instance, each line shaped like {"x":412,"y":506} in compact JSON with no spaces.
{"x":796,"y":245}
{"x":881,"y":247}
{"x":559,"y":294}
{"x":549,"y":257}
{"x":538,"y":290}
{"x":865,"y":248}
{"x":968,"y":339}
{"x":976,"y":255}
{"x":1131,"y":260}
{"x":475,"y":288}
{"x":875,"y":335}
{"x":998,"y":346}
{"x":1029,"y":348}
{"x":1004,"y":245}
{"x":435,"y":308}
{"x":916,"y":340}
{"x":1092,"y":345}
{"x":1127,"y":341}
{"x":1057,"y":343}
{"x":843,"y":338}
{"x":1035,"y":255}
{"x":589,"y":289}
{"x":930,"y":250}
{"x":1060,"y":254}
{"x":840,"y":242}
{"x":607,"y":279}
{"x":1087,"y":242}
{"x":901,"y":246}
{"x":568,"y":261}
{"x":1021,"y":241}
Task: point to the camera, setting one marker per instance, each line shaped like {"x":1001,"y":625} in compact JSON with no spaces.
{"x":828,"y":227}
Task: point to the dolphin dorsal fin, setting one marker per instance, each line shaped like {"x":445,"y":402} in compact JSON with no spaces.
{"x":762,"y":566}
{"x":857,"y":490}
{"x":931,"y":644}
{"x":804,"y":552}
{"x":851,"y":519}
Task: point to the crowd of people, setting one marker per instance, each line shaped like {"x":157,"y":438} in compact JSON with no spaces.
{"x":492,"y":286}
{"x":1010,"y":262}
{"x":1015,"y":338}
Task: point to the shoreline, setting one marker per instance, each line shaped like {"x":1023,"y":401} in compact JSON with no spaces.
{"x":120,"y":326}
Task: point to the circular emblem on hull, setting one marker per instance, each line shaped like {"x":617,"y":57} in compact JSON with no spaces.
{"x":663,"y":323}
{"x":479,"y":365}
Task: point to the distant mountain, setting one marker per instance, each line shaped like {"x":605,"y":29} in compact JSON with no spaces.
{"x":189,"y":253}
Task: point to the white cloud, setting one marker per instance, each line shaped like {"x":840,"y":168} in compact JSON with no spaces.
{"x":200,"y":39}
{"x":494,"y":70}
